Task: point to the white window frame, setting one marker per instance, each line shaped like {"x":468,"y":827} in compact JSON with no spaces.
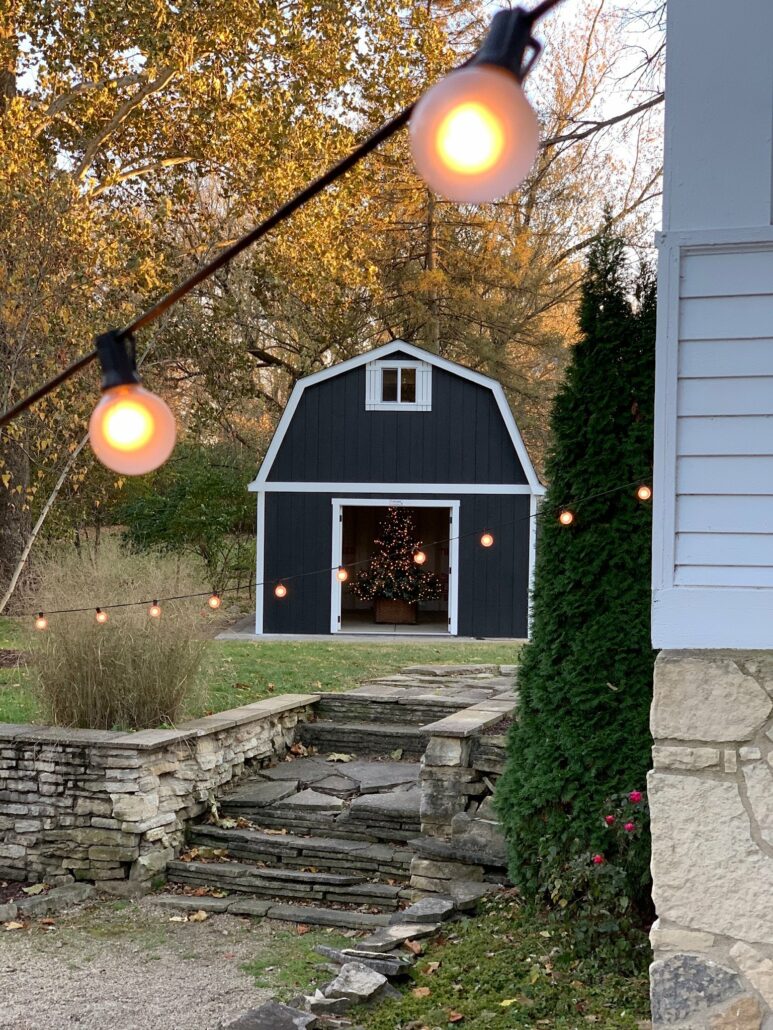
{"x":374,"y":386}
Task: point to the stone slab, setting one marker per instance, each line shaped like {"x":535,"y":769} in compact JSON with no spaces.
{"x":305,"y":770}
{"x":373,"y":777}
{"x":273,"y":1016}
{"x":432,"y":909}
{"x":249,"y":907}
{"x":391,"y":936}
{"x":184,"y":903}
{"x":681,"y":986}
{"x":259,"y":793}
{"x":386,"y":966}
{"x":356,"y":982}
{"x":402,"y":804}
{"x":462,"y":724}
{"x":336,"y":785}
{"x":312,"y":801}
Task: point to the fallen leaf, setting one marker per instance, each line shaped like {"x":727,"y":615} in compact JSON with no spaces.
{"x":421,"y":992}
{"x":178,"y":919}
{"x":415,"y":946}
{"x":47,"y":922}
{"x":198,"y":917}
{"x":302,"y":928}
{"x":229,"y":954}
{"x":14,"y":926}
{"x":430,"y":968}
{"x":455,"y":1017}
{"x":270,"y":688}
{"x":508,"y":1002}
{"x":36,"y":888}
{"x":397,"y":754}
{"x":340,"y":756}
{"x":242,"y":686}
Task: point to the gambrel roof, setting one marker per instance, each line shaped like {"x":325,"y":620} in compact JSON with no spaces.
{"x":402,"y":348}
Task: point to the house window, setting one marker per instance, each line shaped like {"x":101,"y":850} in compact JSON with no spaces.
{"x":398,"y":386}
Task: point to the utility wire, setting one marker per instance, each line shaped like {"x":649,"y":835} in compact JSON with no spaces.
{"x":349,"y":565}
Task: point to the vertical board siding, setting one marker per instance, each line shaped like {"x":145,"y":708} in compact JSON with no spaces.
{"x":463,"y":439}
{"x":724,"y":443}
{"x":492,"y":582}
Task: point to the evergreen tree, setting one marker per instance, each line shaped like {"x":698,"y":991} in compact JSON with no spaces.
{"x":393,"y":572}
{"x":585,"y":682}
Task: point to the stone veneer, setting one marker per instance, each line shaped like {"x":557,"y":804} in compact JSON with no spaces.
{"x":113,"y":807}
{"x":711,"y":799}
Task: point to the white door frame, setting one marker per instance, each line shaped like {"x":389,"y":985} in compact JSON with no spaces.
{"x":375,"y":502}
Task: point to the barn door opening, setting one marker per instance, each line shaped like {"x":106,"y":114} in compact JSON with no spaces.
{"x":357,"y":524}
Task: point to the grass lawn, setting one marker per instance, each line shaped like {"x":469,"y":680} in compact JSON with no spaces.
{"x":510,"y":969}
{"x":237,"y":672}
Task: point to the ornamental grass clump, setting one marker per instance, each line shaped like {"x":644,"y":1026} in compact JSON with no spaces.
{"x":130,"y":672}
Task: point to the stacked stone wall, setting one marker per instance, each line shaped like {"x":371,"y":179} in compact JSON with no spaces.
{"x":113,"y":808}
{"x":711,"y":799}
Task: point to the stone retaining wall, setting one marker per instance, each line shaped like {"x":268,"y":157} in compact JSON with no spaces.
{"x":113,"y":807}
{"x":461,"y":837}
{"x":711,"y":798}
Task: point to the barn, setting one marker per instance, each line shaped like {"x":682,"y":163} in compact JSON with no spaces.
{"x":397,"y":429}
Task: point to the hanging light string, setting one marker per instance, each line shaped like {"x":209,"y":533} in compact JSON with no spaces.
{"x":517,"y":40}
{"x":280,"y":582}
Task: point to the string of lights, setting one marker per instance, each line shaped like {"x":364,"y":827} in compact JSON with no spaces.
{"x":566,"y":515}
{"x":474,"y":138}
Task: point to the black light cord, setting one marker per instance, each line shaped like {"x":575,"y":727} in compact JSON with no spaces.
{"x":280,"y":215}
{"x":569,"y":506}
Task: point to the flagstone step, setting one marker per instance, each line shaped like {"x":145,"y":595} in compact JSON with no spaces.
{"x":316,"y":915}
{"x":363,"y":738}
{"x":396,"y":706}
{"x":287,"y":850}
{"x":278,"y":884}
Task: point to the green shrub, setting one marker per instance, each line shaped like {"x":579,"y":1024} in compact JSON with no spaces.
{"x":581,"y":733}
{"x":130,"y":673}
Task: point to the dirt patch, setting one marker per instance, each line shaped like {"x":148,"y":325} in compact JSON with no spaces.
{"x":130,"y":965}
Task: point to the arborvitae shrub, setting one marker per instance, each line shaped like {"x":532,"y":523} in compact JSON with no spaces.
{"x":581,"y":735}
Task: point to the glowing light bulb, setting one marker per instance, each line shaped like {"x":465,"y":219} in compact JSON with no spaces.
{"x":214,"y":601}
{"x":474,"y":136}
{"x":342,"y":575}
{"x":280,"y":590}
{"x":420,"y":557}
{"x":487,"y":540}
{"x":101,"y":616}
{"x":131,"y":430}
{"x":566,"y":518}
{"x":644,"y":492}
{"x":41,"y":622}
{"x":155,"y":610}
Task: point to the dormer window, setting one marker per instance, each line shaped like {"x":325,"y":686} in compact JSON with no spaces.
{"x":398,"y":386}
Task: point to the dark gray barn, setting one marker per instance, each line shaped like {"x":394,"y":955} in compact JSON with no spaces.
{"x":396,"y":427}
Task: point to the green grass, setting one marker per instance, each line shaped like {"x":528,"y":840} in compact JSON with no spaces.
{"x":237,"y":673}
{"x":292,"y":966}
{"x":509,"y":969}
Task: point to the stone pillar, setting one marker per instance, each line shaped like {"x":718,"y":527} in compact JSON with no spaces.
{"x":711,"y":800}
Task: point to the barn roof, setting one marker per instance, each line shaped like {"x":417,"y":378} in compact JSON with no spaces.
{"x":400,"y":346}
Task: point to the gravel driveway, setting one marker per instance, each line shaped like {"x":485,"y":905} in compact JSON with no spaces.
{"x":127,"y":966}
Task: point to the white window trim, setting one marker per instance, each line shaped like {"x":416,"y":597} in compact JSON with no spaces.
{"x":374,"y":389}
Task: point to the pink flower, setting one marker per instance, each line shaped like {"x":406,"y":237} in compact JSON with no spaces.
{"x":598,"y":860}
{"x":635,"y":797}
{"x":629,"y":827}
{"x":609,"y":820}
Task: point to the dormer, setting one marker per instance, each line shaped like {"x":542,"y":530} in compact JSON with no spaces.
{"x":398,"y":384}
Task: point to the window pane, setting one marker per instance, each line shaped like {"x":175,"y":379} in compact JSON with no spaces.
{"x":389,"y":384}
{"x":408,"y":386}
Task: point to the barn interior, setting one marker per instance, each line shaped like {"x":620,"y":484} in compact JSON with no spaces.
{"x":360,"y":528}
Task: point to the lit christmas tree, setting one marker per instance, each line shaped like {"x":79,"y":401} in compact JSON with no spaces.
{"x":393,"y":574}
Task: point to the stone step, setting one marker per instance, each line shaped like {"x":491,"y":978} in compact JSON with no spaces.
{"x":274,"y":883}
{"x":363,"y":738}
{"x":391,"y":708}
{"x":291,"y":851}
{"x":317,"y":915}
{"x":343,"y":826}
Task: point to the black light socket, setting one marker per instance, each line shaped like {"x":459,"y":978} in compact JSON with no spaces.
{"x":507,"y":41}
{"x":118,"y":357}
